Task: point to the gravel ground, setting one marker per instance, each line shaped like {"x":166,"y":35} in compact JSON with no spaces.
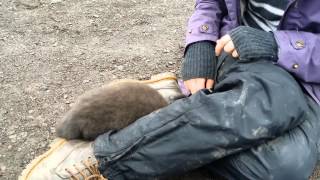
{"x":51,"y":51}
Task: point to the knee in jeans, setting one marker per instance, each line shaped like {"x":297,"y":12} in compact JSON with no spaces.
{"x":293,"y":162}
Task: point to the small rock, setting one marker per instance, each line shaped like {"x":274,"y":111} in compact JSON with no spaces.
{"x":53,"y":130}
{"x":30,"y":117}
{"x":19,"y":149}
{"x":3,"y":111}
{"x":44,"y":144}
{"x":65,"y":96}
{"x":10,"y":147}
{"x":33,"y":123}
{"x":30,"y":4}
{"x":44,"y":88}
{"x":166,"y":50}
{"x":14,"y":136}
{"x":30,"y":111}
{"x":120,"y":68}
{"x":11,"y":131}
{"x":181,"y":46}
{"x":170,"y":63}
{"x":23,"y":134}
{"x":80,"y":53}
{"x":55,"y":1}
{"x":2,"y":169}
{"x":86,"y":81}
{"x":67,"y":102}
{"x":12,"y":8}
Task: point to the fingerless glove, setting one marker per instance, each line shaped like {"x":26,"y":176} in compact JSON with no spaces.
{"x":199,"y":61}
{"x":252,"y":43}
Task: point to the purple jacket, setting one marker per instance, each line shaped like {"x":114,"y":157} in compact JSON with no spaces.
{"x":298,"y":35}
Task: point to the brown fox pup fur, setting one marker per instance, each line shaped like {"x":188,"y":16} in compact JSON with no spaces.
{"x":113,"y":106}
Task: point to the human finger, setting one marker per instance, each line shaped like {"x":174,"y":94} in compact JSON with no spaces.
{"x":221,"y":43}
{"x":229,"y":47}
{"x":209,"y":83}
{"x":235,"y":54}
{"x":194,"y":85}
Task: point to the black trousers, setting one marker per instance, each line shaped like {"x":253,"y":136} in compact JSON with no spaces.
{"x":257,"y":123}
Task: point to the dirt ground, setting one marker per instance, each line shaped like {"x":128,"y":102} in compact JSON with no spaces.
{"x":51,"y":51}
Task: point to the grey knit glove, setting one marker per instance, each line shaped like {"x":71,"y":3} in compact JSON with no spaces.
{"x":252,"y":43}
{"x":200,"y":61}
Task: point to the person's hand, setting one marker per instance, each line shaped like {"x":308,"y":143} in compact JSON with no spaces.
{"x":247,"y":43}
{"x":194,"y":85}
{"x":225,"y":43}
{"x":199,"y":66}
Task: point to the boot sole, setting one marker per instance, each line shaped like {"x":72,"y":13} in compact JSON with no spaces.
{"x":56,"y":144}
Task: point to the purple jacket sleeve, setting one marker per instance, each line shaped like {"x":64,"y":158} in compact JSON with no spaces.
{"x":299,"y":53}
{"x":205,"y":22}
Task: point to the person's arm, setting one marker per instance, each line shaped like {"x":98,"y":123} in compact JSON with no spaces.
{"x":199,"y":66}
{"x":299,"y":53}
{"x":203,"y":29}
{"x":204,"y":24}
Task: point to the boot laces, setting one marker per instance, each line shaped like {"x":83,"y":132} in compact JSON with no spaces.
{"x":89,"y":172}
